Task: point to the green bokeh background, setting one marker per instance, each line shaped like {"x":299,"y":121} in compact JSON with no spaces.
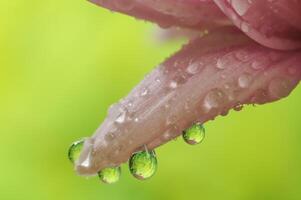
{"x":62,"y":63}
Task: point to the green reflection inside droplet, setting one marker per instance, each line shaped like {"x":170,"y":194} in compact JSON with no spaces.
{"x":110,"y":175}
{"x":143,"y":164}
{"x":195,"y":134}
{"x":75,"y":150}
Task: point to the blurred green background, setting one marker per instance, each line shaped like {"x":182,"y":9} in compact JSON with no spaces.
{"x":62,"y":63}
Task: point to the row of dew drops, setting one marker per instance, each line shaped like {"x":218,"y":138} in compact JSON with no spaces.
{"x":143,"y":164}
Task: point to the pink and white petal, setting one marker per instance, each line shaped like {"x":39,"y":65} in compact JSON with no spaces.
{"x":275,"y":24}
{"x":185,"y":13}
{"x":207,"y":78}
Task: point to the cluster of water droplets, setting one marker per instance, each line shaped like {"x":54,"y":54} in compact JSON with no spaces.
{"x":142,"y":164}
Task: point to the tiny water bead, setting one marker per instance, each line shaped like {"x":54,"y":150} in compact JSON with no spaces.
{"x":75,"y":150}
{"x":195,"y":134}
{"x":143,"y":165}
{"x":110,"y":175}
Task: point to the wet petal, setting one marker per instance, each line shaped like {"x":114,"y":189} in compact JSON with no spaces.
{"x":206,"y":78}
{"x":188,"y":13}
{"x":273,"y":23}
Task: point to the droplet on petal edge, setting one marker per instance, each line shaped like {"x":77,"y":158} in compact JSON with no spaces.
{"x":143,"y":165}
{"x":195,"y":134}
{"x":110,"y":175}
{"x":75,"y":150}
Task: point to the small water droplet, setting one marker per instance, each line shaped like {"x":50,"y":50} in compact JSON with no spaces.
{"x":245,"y":27}
{"x":242,"y":55}
{"x":143,"y":165}
{"x":121,"y":118}
{"x":75,"y":150}
{"x":110,"y":175}
{"x":220,"y":64}
{"x":144,"y":92}
{"x":124,"y":5}
{"x":173,"y":84}
{"x":244,"y":80}
{"x":195,"y":134}
{"x":193,"y":68}
{"x":238,"y":107}
{"x":257,"y":65}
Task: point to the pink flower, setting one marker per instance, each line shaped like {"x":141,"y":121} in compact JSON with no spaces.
{"x":249,"y":56}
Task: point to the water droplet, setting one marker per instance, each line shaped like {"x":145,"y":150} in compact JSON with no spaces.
{"x":173,"y":84}
{"x":238,"y":107}
{"x":279,"y":88}
{"x":244,"y":80}
{"x":124,"y":5}
{"x":241,"y":7}
{"x":75,"y":150}
{"x":193,"y":68}
{"x":143,"y":165}
{"x":195,"y":134}
{"x":214,"y":99}
{"x":245,"y":27}
{"x":242,"y":55}
{"x":220,"y":64}
{"x":257,"y":65}
{"x":110,"y":175}
{"x":144,"y":92}
{"x":121,"y":118}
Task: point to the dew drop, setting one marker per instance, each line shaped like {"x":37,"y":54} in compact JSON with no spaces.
{"x":124,"y":5}
{"x":173,"y":84}
{"x":242,"y":55}
{"x":279,"y":88}
{"x":143,"y":165}
{"x":121,"y":118}
{"x":220,"y":64}
{"x":144,"y":92}
{"x":194,"y":135}
{"x":245,"y":27}
{"x":110,"y":175}
{"x":244,"y":80}
{"x":214,"y":99}
{"x":238,"y":107}
{"x":193,"y":68}
{"x":257,"y":65}
{"x":75,"y":150}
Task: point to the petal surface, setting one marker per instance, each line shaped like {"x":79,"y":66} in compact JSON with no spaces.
{"x":195,"y":14}
{"x":273,"y":23}
{"x":207,"y":78}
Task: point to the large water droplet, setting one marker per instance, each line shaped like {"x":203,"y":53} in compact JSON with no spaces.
{"x":279,"y":88}
{"x":214,"y":99}
{"x":75,"y":150}
{"x":195,"y":134}
{"x":143,"y":165}
{"x":244,"y":80}
{"x":110,"y":175}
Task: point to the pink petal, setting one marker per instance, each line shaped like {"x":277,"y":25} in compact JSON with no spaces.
{"x":273,"y":23}
{"x":186,"y":13}
{"x":208,"y":77}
